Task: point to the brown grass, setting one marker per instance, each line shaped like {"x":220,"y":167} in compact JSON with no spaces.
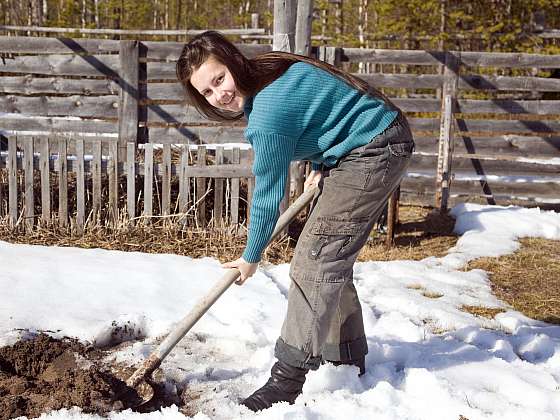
{"x":422,"y":232}
{"x":529,"y":279}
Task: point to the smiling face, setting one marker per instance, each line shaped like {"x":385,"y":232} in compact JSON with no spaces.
{"x":214,"y":81}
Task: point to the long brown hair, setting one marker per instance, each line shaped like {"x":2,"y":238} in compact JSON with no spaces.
{"x":250,"y":74}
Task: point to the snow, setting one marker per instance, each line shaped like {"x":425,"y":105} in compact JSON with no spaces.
{"x":427,"y":358}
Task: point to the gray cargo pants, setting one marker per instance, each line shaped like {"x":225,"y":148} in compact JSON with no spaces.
{"x":324,"y":317}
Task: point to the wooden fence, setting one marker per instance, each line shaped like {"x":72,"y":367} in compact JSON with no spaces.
{"x":487,"y":126}
{"x":79,"y":189}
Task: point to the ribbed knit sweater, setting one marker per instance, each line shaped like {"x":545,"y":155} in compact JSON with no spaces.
{"x":305,"y":114}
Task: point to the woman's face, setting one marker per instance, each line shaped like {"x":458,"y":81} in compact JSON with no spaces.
{"x":214,"y":81}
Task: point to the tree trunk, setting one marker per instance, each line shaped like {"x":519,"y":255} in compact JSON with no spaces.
{"x":83,"y":14}
{"x":96,"y":13}
{"x":362,"y":29}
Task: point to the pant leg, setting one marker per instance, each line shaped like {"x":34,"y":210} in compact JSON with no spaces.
{"x":324,"y":314}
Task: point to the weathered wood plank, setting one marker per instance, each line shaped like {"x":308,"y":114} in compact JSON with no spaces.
{"x":507,"y":106}
{"x":80,"y":185}
{"x":210,"y":171}
{"x":304,"y":21}
{"x":69,"y":106}
{"x":219,"y":190}
{"x":162,"y":32}
{"x":63,"y":65}
{"x":171,"y":51}
{"x":250,"y":191}
{"x":49,"y":45}
{"x":129,"y":94}
{"x":59,"y":125}
{"x":28,"y":85}
{"x":193,"y":134}
{"x":487,"y":187}
{"x":445,"y":149}
{"x":62,"y":182}
{"x":234,"y":191}
{"x":508,"y":126}
{"x":44,"y":158}
{"x":184,"y":182}
{"x":483,"y":165}
{"x":402,"y":81}
{"x":242,"y":170}
{"x":201,"y":189}
{"x":131,"y":181}
{"x":531,"y":84}
{"x":166,"y":180}
{"x":96,"y":180}
{"x":113,"y":172}
{"x":29,"y":197}
{"x":157,"y":91}
{"x":419,"y":57}
{"x":148,"y":180}
{"x":489,"y":126}
{"x":174,"y":113}
{"x":12,"y":180}
{"x":467,"y":82}
{"x":506,"y":145}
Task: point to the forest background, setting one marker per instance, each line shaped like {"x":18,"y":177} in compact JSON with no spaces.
{"x":477,"y":25}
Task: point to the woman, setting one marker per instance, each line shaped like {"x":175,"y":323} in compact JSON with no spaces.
{"x":359,"y":144}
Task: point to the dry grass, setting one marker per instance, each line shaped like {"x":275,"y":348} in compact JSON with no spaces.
{"x":529,"y":279}
{"x":422,"y":232}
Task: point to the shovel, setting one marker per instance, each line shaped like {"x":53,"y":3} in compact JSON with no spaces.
{"x":141,"y":380}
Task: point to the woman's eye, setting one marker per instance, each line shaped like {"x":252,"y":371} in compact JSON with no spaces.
{"x":220,"y":79}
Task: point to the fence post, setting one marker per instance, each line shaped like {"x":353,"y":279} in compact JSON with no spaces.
{"x":44,"y":167}
{"x":131,"y":181}
{"x":284,"y":25}
{"x":445,"y":150}
{"x":129,"y":94}
{"x":148,"y":181}
{"x":12,"y":180}
{"x":29,"y":213}
{"x":166,"y":181}
{"x":80,"y":186}
{"x":304,"y":19}
{"x":201,"y":188}
{"x":62,"y":183}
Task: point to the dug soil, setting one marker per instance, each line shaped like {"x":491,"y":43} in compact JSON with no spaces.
{"x":43,"y":374}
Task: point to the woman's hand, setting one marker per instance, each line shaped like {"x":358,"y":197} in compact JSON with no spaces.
{"x":245,"y":268}
{"x":312,"y":180}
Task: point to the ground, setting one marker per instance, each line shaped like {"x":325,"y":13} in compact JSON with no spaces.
{"x":46,"y":372}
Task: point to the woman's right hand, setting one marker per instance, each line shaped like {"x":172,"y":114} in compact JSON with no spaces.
{"x":312,"y":180}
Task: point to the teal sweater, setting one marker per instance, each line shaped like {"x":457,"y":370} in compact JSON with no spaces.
{"x":305,"y":114}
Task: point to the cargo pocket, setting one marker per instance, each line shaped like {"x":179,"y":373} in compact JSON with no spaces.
{"x":397,"y":162}
{"x":335,"y":240}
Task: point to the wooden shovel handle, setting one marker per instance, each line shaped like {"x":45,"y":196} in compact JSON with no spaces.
{"x":202,"y":306}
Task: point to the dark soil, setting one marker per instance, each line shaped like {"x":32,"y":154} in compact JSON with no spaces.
{"x":44,"y":374}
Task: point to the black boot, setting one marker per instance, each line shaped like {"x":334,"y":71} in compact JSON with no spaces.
{"x":360,"y":363}
{"x":285,"y":384}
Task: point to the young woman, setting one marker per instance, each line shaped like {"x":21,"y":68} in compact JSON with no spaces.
{"x":359,"y":144}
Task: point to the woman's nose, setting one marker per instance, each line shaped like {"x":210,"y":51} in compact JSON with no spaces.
{"x":220,"y":96}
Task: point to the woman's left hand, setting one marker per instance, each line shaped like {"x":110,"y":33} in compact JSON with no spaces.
{"x":245,"y":268}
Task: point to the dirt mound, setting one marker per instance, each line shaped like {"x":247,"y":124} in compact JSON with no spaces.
{"x":45,"y":374}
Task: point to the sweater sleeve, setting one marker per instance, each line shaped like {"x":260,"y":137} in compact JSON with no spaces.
{"x":273,"y":154}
